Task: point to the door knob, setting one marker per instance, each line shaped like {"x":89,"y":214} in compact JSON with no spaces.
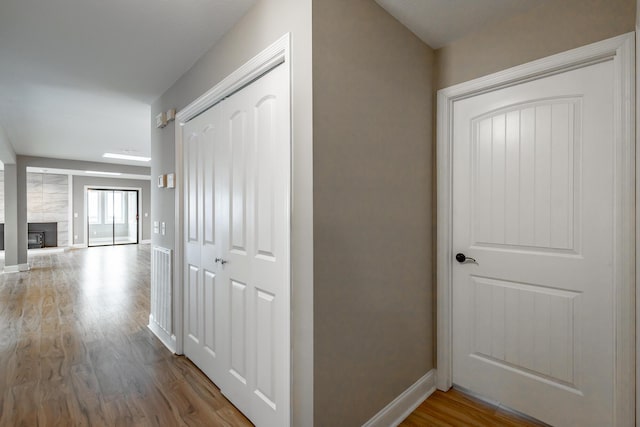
{"x":461,"y":258}
{"x":217,"y":260}
{"x":223,"y":261}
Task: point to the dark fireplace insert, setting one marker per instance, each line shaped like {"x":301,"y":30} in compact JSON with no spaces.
{"x":39,"y":235}
{"x":35,"y":239}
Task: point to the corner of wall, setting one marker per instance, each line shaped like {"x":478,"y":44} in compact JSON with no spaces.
{"x":372,"y":179}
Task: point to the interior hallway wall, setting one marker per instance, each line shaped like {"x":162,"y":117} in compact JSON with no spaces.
{"x":2,"y":196}
{"x":373,"y":176}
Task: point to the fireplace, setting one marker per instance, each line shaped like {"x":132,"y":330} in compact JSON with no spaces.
{"x":35,"y":239}
{"x":39,"y":235}
{"x":47,"y":232}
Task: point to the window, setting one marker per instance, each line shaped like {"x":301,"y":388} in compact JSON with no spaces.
{"x":94,"y":207}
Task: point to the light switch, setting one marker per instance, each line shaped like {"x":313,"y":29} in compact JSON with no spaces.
{"x":75,"y":214}
{"x":171,"y":180}
{"x":164,"y":228}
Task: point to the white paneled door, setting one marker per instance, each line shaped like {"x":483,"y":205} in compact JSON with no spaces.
{"x":236,"y":269}
{"x":534,"y":204}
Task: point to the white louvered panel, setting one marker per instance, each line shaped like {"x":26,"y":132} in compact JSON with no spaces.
{"x":162,"y":288}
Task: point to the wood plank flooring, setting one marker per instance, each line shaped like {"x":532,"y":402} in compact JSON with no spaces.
{"x":75,"y":350}
{"x":453,"y":409}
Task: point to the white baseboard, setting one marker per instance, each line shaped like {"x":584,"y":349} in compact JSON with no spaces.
{"x":145,"y":242}
{"x":400,"y":408}
{"x":16,"y":268}
{"x":168,"y":340}
{"x":41,"y":251}
{"x":48,"y":251}
{"x":79,"y":246}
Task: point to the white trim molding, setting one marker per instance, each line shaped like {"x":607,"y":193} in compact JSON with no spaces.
{"x":168,"y":340}
{"x":178,"y":323}
{"x":265,"y":61}
{"x":402,"y":406}
{"x":19,"y":268}
{"x":637,"y":384}
{"x":48,"y":251}
{"x":620,"y":50}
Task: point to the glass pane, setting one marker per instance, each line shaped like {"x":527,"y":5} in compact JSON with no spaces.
{"x":100,"y":216}
{"x":132,"y":215}
{"x":126,"y":217}
{"x":93,"y":206}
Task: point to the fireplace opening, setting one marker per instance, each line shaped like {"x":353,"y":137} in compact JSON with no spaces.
{"x":49,"y":232}
{"x":35,"y":239}
{"x":39,"y":235}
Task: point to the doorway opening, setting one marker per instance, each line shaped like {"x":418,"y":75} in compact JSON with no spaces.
{"x":112,"y":217}
{"x":515,"y":294}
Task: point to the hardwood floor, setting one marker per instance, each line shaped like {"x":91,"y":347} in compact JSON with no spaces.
{"x":75,"y":350}
{"x":454,"y":408}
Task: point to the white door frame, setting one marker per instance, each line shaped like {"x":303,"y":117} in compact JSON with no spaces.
{"x":621,"y":51}
{"x":276,"y":54}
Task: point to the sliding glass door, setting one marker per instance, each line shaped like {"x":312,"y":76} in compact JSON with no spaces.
{"x":112,"y":217}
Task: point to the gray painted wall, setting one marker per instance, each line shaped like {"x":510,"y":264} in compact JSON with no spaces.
{"x":2,"y":196}
{"x":21,"y":205}
{"x":79,"y":183}
{"x":10,"y":197}
{"x":263,"y":24}
{"x":373,"y":176}
{"x":548,"y":28}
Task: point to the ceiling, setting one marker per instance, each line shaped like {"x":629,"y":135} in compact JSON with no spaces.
{"x":77,"y":76}
{"x":440,"y":22}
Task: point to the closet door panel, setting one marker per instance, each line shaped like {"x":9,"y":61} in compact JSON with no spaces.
{"x":207,"y":306}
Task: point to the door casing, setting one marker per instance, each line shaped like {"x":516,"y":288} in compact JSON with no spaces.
{"x":621,"y":50}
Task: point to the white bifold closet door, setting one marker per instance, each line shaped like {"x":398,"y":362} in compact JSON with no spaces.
{"x":236,"y":240}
